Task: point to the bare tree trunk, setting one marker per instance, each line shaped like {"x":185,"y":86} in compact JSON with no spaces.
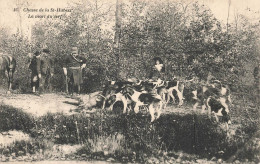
{"x":236,"y":17}
{"x":19,"y":6}
{"x":229,"y":3}
{"x":118,"y":35}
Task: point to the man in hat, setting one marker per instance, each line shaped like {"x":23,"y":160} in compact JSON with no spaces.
{"x":45,"y":67}
{"x":73,"y":65}
{"x":158,"y":69}
{"x":34,"y":59}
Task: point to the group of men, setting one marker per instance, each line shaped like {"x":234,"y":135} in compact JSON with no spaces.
{"x":42,"y":70}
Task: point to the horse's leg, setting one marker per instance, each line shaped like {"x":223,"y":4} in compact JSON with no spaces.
{"x":12,"y":78}
{"x":9,"y":79}
{"x":6,"y":75}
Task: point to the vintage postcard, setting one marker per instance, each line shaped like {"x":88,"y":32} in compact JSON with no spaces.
{"x":129,"y":81}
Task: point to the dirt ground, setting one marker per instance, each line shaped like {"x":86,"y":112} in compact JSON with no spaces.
{"x":39,"y":105}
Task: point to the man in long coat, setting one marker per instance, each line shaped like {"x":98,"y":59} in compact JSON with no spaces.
{"x":45,"y":69}
{"x":34,"y":59}
{"x":73,"y":65}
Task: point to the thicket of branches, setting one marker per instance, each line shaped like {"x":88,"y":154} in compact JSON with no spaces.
{"x":189,"y":39}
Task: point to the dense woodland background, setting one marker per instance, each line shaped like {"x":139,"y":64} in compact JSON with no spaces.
{"x":188,"y":37}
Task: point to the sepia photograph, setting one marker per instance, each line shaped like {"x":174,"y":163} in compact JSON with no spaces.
{"x":129,"y":81}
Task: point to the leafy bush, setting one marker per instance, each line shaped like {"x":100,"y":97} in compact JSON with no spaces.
{"x":191,"y":133}
{"x":12,"y":118}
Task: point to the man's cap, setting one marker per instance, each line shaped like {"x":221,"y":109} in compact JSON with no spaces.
{"x":37,"y":53}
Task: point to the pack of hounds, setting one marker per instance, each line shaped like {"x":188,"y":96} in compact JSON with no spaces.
{"x":156,"y":95}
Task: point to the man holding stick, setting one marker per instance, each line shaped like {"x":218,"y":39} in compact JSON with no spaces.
{"x":72,"y":68}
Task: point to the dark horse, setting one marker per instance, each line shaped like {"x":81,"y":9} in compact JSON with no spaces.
{"x":7,"y":66}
